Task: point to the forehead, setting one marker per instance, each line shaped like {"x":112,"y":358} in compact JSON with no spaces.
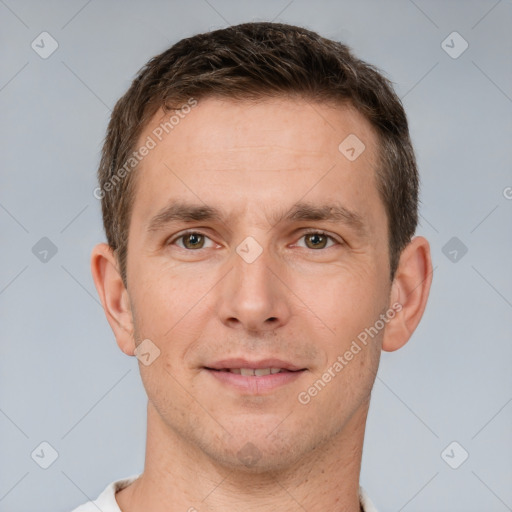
{"x":270,"y":127}
{"x":266,"y":152}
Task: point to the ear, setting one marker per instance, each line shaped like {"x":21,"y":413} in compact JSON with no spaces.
{"x":114,"y":296}
{"x":409,"y":290}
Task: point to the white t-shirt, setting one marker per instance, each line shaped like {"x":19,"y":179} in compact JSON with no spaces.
{"x":106,"y":501}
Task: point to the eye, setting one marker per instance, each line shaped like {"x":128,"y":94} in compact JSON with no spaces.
{"x":318,"y":240}
{"x":191,"y":240}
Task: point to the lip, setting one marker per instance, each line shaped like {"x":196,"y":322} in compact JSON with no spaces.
{"x":254,"y":385}
{"x":227,"y":364}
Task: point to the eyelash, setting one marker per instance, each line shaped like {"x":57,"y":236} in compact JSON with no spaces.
{"x":306,"y":233}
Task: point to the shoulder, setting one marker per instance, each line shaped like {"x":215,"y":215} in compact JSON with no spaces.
{"x":106,"y":501}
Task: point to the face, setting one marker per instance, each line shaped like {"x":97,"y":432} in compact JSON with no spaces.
{"x":256,"y":244}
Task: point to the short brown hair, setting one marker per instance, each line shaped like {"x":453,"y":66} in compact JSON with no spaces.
{"x":254,"y":61}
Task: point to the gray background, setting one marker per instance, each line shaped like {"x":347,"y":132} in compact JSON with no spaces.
{"x":63,"y":379}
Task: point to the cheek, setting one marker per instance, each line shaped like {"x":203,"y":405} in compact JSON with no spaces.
{"x":344,"y":301}
{"x":171,"y":310}
{"x":163,"y":298}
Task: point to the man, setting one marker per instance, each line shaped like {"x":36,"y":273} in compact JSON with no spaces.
{"x":259,"y":195}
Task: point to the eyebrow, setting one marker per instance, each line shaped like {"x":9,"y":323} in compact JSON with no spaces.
{"x":178,"y":211}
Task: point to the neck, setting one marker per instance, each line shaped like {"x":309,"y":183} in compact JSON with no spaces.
{"x":180,"y":477}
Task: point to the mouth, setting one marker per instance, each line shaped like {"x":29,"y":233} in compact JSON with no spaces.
{"x":254,"y":377}
{"x":252,"y":372}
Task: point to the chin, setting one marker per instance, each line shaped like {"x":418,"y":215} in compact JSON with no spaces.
{"x":261,"y":452}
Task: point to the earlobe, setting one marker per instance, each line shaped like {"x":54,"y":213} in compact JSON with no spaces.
{"x":410,"y":289}
{"x":113,"y":296}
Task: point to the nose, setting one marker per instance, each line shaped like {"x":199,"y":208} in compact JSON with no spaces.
{"x":252,"y":296}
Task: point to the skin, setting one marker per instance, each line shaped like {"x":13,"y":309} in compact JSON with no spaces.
{"x":303,"y":300}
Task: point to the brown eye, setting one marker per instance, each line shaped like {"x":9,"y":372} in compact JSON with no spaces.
{"x":191,"y":240}
{"x":316,"y":240}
